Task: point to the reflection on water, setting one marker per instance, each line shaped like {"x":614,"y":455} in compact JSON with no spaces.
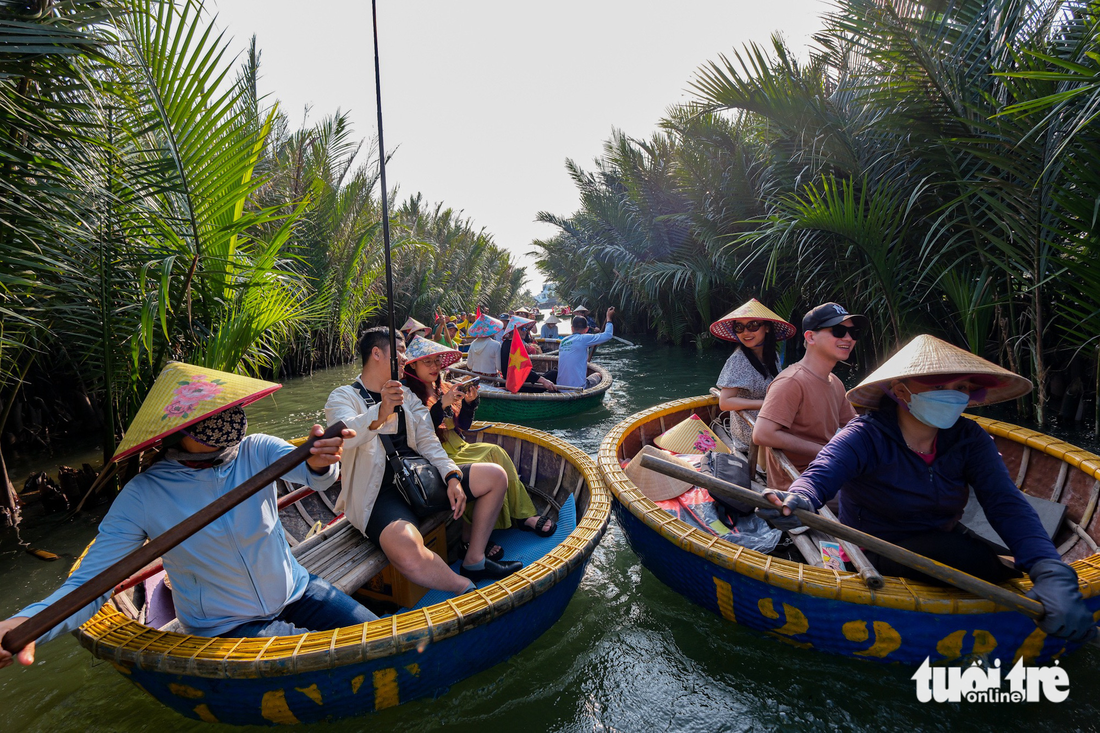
{"x":628,"y":655}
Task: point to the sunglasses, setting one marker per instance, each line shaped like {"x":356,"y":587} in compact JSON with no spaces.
{"x":841,"y":331}
{"x":751,"y":326}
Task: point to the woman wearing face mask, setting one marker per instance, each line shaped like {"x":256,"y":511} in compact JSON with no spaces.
{"x":906,"y":466}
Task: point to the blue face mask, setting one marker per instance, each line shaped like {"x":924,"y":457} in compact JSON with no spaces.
{"x":939,"y":408}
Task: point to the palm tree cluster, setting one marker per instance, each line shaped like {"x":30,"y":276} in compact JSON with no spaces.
{"x":930,"y":165}
{"x":152,"y":207}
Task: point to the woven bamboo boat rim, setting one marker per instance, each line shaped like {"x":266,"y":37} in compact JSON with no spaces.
{"x":605,"y":382}
{"x":113,"y":636}
{"x":898,"y":593}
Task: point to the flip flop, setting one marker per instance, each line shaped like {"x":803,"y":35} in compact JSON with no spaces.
{"x":544,"y":526}
{"x":493,"y":551}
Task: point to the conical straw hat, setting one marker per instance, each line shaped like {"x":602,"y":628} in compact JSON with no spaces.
{"x":927,"y":356}
{"x":183,"y":395}
{"x":723,"y":327}
{"x":552,"y":319}
{"x":485,"y":327}
{"x":690,"y":436}
{"x":414,"y":325}
{"x":515,"y":322}
{"x":655,"y":485}
{"x":423,"y":348}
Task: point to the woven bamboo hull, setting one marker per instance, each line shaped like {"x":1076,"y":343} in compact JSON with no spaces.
{"x":906,"y":621}
{"x":523,"y":408}
{"x":361,"y":669}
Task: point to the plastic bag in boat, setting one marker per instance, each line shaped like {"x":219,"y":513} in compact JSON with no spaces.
{"x":697,"y":508}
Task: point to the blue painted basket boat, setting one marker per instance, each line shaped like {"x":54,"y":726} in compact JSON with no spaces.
{"x":355,"y":670}
{"x":906,"y":621}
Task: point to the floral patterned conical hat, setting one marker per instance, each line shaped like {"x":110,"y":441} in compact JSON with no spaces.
{"x":486,"y":326}
{"x":690,"y":436}
{"x":413,"y":325}
{"x":423,"y":348}
{"x":183,"y":395}
{"x":754,"y":309}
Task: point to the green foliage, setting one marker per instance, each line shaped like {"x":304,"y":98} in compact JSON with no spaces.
{"x":930,"y":165}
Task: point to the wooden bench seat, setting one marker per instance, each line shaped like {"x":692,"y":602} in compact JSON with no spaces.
{"x":344,"y":557}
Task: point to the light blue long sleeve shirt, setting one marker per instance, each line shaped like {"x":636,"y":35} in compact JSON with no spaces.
{"x":236,"y":569}
{"x":573,"y":355}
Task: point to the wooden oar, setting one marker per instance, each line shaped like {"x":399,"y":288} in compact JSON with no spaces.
{"x":496,"y":380}
{"x":93,"y":589}
{"x":957,"y":578}
{"x":633,"y":346}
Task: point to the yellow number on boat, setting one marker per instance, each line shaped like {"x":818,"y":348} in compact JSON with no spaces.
{"x":274,"y":707}
{"x":951,"y":646}
{"x":725,"y":599}
{"x":887,"y":639}
{"x":1031,"y":648}
{"x":386,"y":692}
{"x":796,"y":621}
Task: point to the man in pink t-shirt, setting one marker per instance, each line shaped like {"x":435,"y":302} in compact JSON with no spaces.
{"x":805,"y":405}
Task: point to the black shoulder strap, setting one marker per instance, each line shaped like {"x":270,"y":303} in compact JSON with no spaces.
{"x":387,"y":442}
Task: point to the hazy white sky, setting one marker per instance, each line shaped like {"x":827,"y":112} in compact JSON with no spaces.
{"x":484,"y":101}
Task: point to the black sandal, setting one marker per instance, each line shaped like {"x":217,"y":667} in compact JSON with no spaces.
{"x":544,"y":526}
{"x":493,"y":551}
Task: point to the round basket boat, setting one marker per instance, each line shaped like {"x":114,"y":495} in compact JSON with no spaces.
{"x":831,"y":611}
{"x":498,"y":403}
{"x":360,"y":669}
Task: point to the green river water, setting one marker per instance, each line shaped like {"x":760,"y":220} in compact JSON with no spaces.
{"x":628,"y":655}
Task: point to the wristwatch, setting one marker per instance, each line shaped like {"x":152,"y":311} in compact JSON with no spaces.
{"x":453,"y":474}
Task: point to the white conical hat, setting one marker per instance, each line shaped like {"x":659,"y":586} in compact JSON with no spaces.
{"x":654,"y":485}
{"x":927,"y":356}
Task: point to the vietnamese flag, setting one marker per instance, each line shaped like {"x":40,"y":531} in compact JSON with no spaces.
{"x":519,"y":366}
{"x":478,"y":312}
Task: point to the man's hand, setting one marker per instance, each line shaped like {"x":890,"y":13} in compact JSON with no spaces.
{"x":392,"y":396}
{"x":547,"y":384}
{"x":326,"y":452}
{"x":610,"y":313}
{"x":25,"y":656}
{"x":457,"y":497}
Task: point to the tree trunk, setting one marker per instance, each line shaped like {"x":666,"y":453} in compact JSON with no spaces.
{"x":9,"y":504}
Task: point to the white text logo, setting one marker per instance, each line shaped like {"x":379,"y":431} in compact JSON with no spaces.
{"x":979,"y":684}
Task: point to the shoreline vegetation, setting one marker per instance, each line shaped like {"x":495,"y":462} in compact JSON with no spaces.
{"x":153,"y":207}
{"x":932,"y":165}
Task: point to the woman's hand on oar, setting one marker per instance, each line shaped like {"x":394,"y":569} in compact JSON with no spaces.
{"x":326,"y":452}
{"x":25,"y":656}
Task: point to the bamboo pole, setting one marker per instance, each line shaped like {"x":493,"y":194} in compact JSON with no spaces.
{"x":996,"y":594}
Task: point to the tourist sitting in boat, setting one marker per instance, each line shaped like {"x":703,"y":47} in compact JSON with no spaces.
{"x":906,"y":466}
{"x":452,"y":408}
{"x":484,"y":354}
{"x":446,"y":331}
{"x":805,"y":404}
{"x":572,"y":368}
{"x":373,"y":503}
{"x":235,"y":577}
{"x":504,"y":319}
{"x":414,"y":329}
{"x":581,"y":310}
{"x":754,"y":363}
{"x":550,"y":327}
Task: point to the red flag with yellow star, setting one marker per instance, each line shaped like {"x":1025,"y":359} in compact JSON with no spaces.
{"x":519,"y":366}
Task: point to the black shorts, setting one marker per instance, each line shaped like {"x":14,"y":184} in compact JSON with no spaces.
{"x":391,"y":507}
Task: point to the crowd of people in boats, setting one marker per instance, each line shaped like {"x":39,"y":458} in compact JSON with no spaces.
{"x":905,"y":465}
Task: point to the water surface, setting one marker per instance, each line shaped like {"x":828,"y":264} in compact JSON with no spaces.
{"x":628,"y":655}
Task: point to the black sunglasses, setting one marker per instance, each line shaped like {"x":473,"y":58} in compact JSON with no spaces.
{"x":841,"y":331}
{"x":751,"y":326}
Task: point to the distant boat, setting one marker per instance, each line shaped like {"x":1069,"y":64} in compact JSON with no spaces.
{"x":310,"y":678}
{"x":811,"y":607}
{"x":498,"y":404}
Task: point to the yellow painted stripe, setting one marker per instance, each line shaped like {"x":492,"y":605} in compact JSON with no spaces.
{"x":386,"y":693}
{"x":273,"y":707}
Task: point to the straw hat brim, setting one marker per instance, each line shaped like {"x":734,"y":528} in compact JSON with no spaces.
{"x":757,"y":311}
{"x":183,"y":395}
{"x":414,"y":325}
{"x":423,"y":348}
{"x":653,"y":485}
{"x":927,"y":356}
{"x":690,"y":436}
{"x":552,"y":319}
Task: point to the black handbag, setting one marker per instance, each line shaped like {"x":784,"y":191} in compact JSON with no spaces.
{"x":416,"y":478}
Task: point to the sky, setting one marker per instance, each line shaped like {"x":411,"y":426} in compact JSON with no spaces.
{"x":483,"y":102}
